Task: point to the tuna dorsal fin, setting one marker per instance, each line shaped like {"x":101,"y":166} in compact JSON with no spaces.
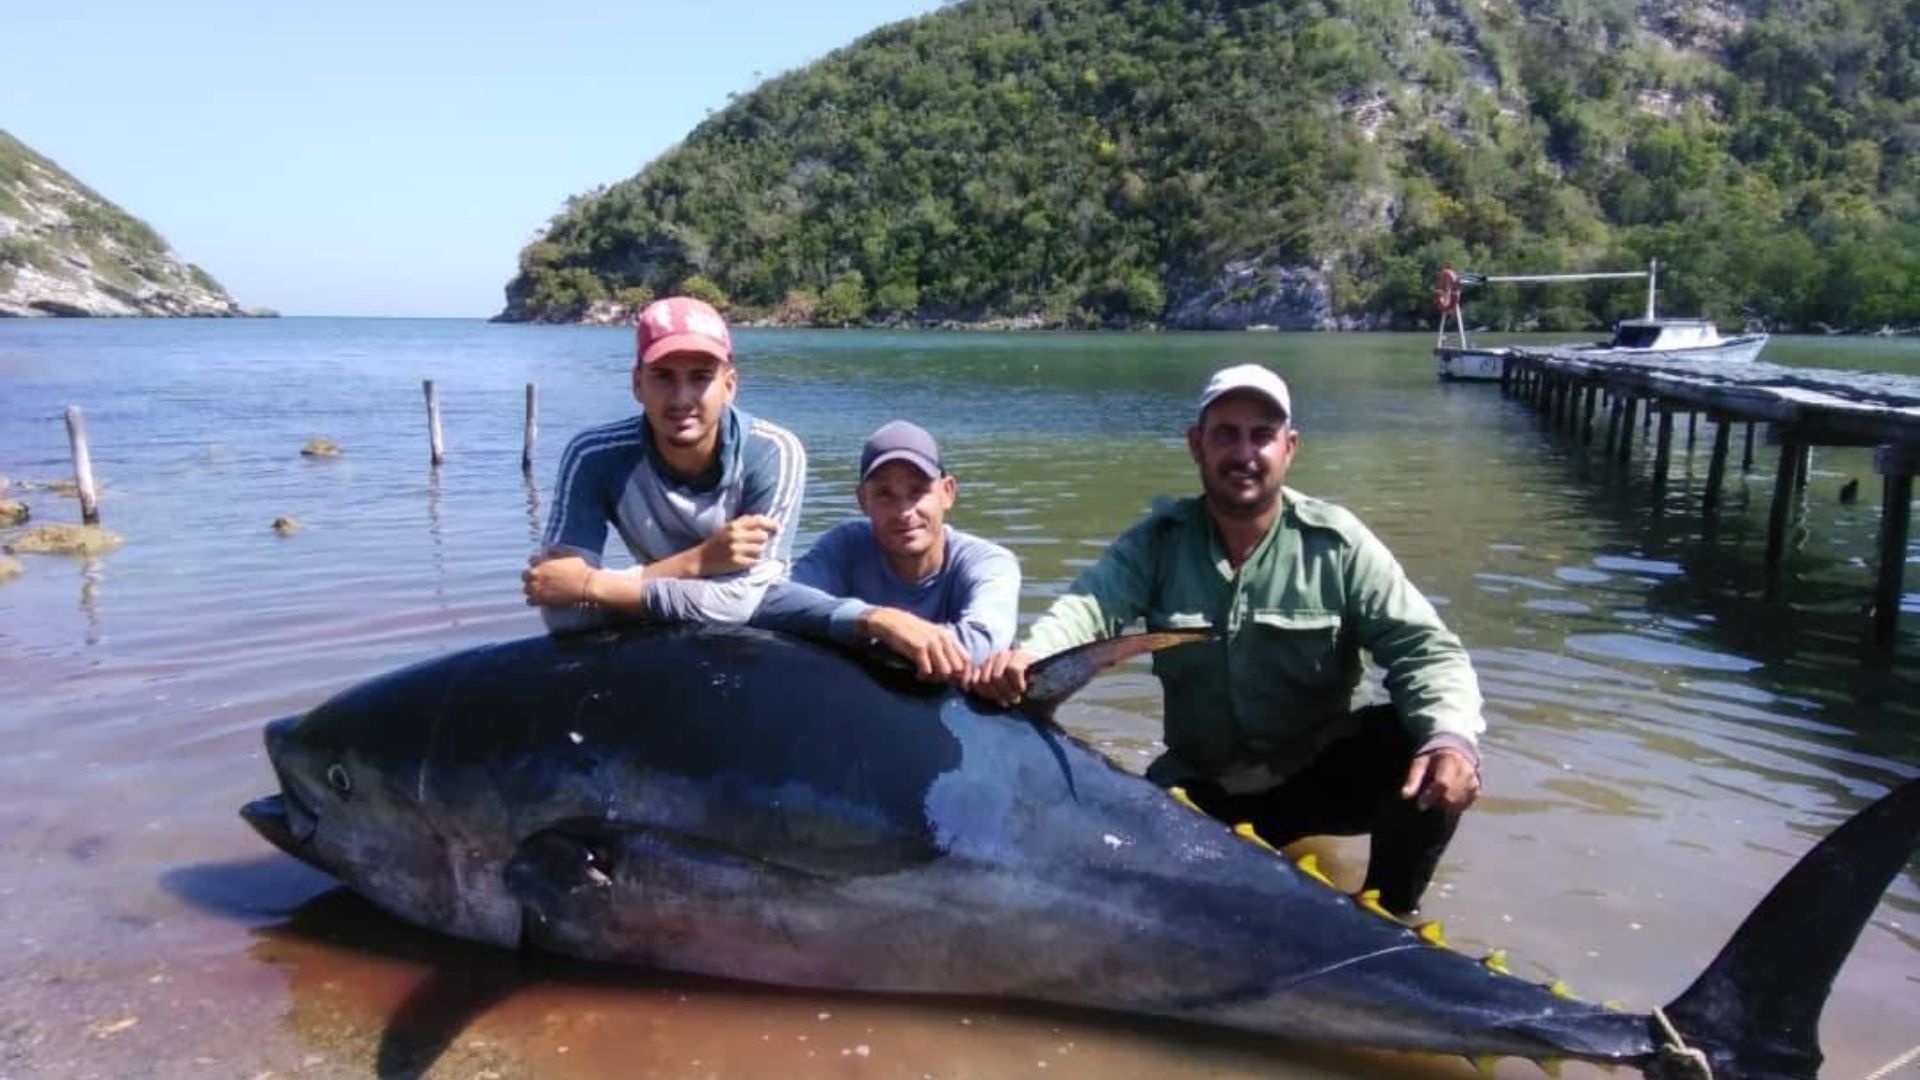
{"x":1053,"y":680}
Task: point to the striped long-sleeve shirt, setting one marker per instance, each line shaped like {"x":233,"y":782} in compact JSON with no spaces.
{"x":612,"y":475}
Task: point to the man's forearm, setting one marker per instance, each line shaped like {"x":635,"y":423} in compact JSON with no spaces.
{"x":728,"y":599}
{"x":624,"y":591}
{"x":1072,"y":620}
{"x":795,"y":608}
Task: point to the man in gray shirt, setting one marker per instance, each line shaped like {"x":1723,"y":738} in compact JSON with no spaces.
{"x":941,"y":598}
{"x":705,"y":496}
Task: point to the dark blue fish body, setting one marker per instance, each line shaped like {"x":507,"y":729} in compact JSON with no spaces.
{"x":736,"y":803}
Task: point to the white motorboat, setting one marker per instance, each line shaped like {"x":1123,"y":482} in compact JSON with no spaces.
{"x":1667,"y":339}
{"x":1470,"y":364}
{"x":1646,"y":338}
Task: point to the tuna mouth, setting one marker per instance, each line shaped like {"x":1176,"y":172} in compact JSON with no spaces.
{"x":285,"y":820}
{"x":286,"y":824}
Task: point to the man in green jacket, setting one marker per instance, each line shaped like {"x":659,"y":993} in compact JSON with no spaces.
{"x":1260,"y":721}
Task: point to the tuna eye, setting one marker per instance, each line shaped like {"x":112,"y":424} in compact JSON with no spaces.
{"x":338,"y":779}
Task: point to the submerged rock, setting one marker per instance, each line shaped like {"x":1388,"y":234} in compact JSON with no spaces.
{"x":13,"y":512}
{"x":11,"y":567}
{"x":286,"y":525}
{"x":321,"y":448}
{"x":63,"y":539}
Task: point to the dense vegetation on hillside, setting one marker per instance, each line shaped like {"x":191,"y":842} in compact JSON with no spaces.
{"x":1099,"y":161}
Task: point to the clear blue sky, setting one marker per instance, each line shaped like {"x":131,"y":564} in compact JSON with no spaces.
{"x":350,"y":158}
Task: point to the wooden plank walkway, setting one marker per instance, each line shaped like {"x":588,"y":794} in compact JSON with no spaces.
{"x":1802,"y":407}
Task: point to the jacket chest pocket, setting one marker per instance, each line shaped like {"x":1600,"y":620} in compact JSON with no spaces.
{"x":1301,"y":648}
{"x":1184,"y":663}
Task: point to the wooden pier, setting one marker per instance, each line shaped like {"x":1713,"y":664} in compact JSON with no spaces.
{"x":1802,"y":408}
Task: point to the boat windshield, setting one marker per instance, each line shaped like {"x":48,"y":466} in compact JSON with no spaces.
{"x":1629,"y":336}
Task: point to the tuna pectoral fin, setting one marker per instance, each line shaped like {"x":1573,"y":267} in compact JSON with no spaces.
{"x":555,"y":865}
{"x":1059,"y":676}
{"x":577,"y":864}
{"x":1756,"y":1010}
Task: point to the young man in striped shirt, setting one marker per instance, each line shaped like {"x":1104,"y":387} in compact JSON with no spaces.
{"x":706,"y":497}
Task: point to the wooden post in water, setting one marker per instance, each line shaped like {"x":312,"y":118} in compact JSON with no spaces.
{"x":1662,"y":446}
{"x":1717,"y":467}
{"x":1693,"y":420}
{"x":1896,"y":463}
{"x":82,"y":466}
{"x":1746,"y":458}
{"x":1613,"y":422}
{"x":533,"y":427}
{"x":433,"y":421}
{"x":1586,"y":422}
{"x":1626,"y":428}
{"x":1785,"y":479}
{"x":1506,"y":376}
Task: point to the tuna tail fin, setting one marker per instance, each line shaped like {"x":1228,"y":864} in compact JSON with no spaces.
{"x":1058,"y":677}
{"x":1756,"y":1009}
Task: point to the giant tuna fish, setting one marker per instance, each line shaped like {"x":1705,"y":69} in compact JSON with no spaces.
{"x":736,"y":803}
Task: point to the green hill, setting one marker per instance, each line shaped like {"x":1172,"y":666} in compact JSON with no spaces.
{"x":66,"y":250}
{"x":1297,"y":162}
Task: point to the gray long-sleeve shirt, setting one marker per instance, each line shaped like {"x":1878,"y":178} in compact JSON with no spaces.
{"x":611,"y":476}
{"x":975,"y":593}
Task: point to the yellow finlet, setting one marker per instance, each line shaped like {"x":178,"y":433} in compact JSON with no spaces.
{"x":1485,"y":1063}
{"x":1561,"y":990}
{"x":1370,"y":899}
{"x":1614,"y":1005}
{"x":1550,"y":1066}
{"x":1432,"y":933}
{"x":1309,"y":865}
{"x":1496,"y":962}
{"x":1180,"y":796}
{"x":1244,"y":831}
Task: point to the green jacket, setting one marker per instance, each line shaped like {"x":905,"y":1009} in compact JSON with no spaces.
{"x":1281,"y":681}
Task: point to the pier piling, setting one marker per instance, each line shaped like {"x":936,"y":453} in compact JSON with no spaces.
{"x":433,"y":422}
{"x":1717,"y":466}
{"x":82,"y":466}
{"x":533,"y":427}
{"x":1663,"y":445}
{"x":1786,"y":482}
{"x":1896,"y":464}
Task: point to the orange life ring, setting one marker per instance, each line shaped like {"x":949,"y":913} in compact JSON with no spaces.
{"x":1446,"y":290}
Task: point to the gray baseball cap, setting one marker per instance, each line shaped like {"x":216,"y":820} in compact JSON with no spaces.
{"x":899,"y":440}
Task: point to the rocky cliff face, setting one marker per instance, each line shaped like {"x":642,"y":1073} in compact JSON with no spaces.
{"x":64,"y":250}
{"x":1251,"y":295}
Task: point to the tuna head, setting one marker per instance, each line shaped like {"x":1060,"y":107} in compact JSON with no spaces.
{"x":355,"y":802}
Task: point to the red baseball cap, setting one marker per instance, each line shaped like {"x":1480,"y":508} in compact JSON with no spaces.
{"x":681,"y":324}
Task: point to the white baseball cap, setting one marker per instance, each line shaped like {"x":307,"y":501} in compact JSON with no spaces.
{"x":1247,"y":377}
